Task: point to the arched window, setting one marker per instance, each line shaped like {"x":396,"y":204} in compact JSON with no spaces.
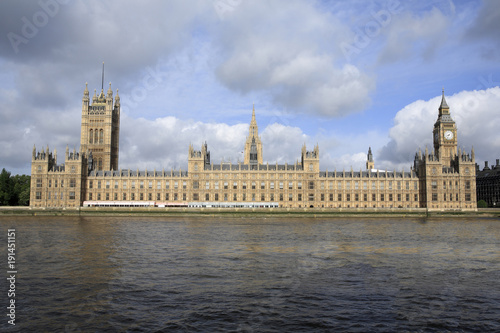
{"x":95,"y":136}
{"x":100,"y":164}
{"x":91,"y":136}
{"x":101,"y":136}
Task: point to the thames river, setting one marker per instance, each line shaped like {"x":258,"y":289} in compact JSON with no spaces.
{"x":132,"y":274}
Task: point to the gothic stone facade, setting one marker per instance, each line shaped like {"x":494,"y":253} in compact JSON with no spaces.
{"x":442,"y":179}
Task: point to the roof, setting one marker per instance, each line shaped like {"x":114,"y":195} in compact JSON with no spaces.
{"x":366,"y":174}
{"x":443,"y":105}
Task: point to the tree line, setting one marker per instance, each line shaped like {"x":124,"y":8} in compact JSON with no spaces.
{"x":14,"y":190}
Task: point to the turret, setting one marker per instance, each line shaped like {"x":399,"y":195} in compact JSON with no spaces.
{"x":117,"y":99}
{"x":310,"y":159}
{"x":86,"y":91}
{"x":198,"y":159}
{"x":109,"y":92}
{"x":85,"y":99}
{"x":369,"y":160}
{"x":206,"y":154}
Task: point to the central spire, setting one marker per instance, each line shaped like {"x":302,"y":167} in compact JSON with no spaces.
{"x":253,"y":145}
{"x":254,"y":129}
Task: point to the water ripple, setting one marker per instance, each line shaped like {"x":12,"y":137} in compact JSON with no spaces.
{"x":256,"y":275}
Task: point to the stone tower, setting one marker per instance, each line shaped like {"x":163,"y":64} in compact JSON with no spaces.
{"x":445,"y":135}
{"x":253,"y":145}
{"x":100,"y":131}
{"x":370,"y":165}
{"x":310,"y":159}
{"x":198,"y":160}
{"x":447,"y":178}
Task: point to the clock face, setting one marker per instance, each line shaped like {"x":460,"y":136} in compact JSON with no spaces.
{"x":448,"y":135}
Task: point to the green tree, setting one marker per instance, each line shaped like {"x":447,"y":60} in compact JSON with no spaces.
{"x":22,"y":190}
{"x":6,"y":188}
{"x":14,"y":190}
{"x":482,"y":204}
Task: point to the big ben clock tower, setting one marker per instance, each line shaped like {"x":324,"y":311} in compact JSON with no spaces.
{"x":445,"y":135}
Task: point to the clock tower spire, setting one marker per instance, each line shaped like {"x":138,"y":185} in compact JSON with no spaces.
{"x":445,"y":134}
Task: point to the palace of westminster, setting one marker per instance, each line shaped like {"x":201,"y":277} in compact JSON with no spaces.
{"x":441,"y":179}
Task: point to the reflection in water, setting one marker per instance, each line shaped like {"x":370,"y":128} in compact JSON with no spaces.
{"x":256,"y":275}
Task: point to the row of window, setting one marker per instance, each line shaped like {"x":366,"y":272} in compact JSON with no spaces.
{"x":73,"y":169}
{"x":98,"y":163}
{"x":238,"y":174}
{"x":96,"y":136}
{"x":449,"y":197}
{"x":39,"y":183}
{"x":449,"y":185}
{"x":250,"y":185}
{"x":54,"y":195}
{"x":252,"y":197}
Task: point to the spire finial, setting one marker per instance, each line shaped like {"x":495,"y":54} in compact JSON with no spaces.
{"x":110,"y":92}
{"x":102,"y":81}
{"x":86,"y":91}
{"x":443,"y":105}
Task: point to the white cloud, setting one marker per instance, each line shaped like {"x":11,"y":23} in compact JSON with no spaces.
{"x":409,"y":35}
{"x":475,"y":113}
{"x":487,"y":22}
{"x":296,"y":63}
{"x":164,"y":142}
{"x":282,"y":143}
{"x":355,"y":161}
{"x":284,"y":55}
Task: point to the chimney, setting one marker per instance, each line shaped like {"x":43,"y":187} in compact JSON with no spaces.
{"x":498,"y":162}
{"x":486,"y":165}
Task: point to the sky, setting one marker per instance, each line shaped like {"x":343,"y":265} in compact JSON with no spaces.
{"x":346,"y":75}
